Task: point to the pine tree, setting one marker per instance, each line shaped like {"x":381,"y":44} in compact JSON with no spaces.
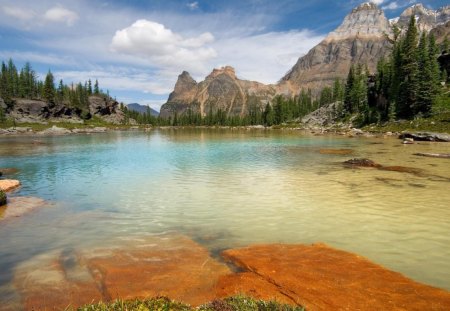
{"x":349,"y":86}
{"x":89,"y":90}
{"x":409,"y":79}
{"x":96,"y":89}
{"x":49,"y":88}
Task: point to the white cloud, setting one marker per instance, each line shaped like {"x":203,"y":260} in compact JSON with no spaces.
{"x":391,"y":6}
{"x":19,"y":13}
{"x":193,"y":5}
{"x":153,"y":41}
{"x":266,"y":57}
{"x":377,"y":2}
{"x":61,"y":15}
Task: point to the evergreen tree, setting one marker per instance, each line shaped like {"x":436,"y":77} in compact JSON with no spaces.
{"x":89,"y":89}
{"x":49,"y":88}
{"x":268,"y":115}
{"x":410,"y":66}
{"x":96,"y":89}
{"x":349,"y":86}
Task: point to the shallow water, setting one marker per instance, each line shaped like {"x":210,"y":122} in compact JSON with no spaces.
{"x":226,"y":188}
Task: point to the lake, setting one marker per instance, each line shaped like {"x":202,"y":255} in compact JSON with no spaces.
{"x":228,"y":188}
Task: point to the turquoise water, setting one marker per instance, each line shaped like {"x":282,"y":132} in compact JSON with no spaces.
{"x":226,"y":188}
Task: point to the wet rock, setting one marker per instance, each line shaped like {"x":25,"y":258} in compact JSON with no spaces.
{"x":408,"y":141}
{"x":426,"y":136}
{"x":175,"y":267}
{"x":434,"y":155}
{"x":172,"y":266}
{"x":361,"y":162}
{"x":18,"y":206}
{"x":44,"y":283}
{"x":9,"y":184}
{"x":403,"y":169}
{"x":322,"y":278}
{"x":8,"y":171}
{"x":336,"y":151}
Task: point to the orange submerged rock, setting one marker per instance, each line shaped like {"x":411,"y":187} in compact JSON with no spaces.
{"x":322,"y":278}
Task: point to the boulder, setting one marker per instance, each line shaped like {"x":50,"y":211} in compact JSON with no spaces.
{"x":54,"y":130}
{"x":9,"y":184}
{"x":106,"y":109}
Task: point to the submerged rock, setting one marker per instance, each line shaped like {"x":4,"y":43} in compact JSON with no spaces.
{"x":319,"y":277}
{"x":361,"y":162}
{"x":2,"y":198}
{"x":18,"y":206}
{"x":9,"y":184}
{"x":172,"y":266}
{"x":426,"y":136}
{"x":8,"y":171}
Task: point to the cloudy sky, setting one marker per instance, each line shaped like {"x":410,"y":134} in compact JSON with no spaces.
{"x":137,"y":48}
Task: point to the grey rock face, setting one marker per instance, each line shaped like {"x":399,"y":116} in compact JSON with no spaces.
{"x":361,"y":38}
{"x":106,"y":109}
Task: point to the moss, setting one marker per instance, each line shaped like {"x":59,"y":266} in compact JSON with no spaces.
{"x":237,"y":303}
{"x":2,"y":198}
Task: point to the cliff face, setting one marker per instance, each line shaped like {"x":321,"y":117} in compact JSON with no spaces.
{"x":221,"y":89}
{"x":360,"y":39}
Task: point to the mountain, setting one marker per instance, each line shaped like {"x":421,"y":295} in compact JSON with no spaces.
{"x":364,"y":37}
{"x":142,"y":109}
{"x":426,"y":19}
{"x":360,"y":39}
{"x":221,"y":89}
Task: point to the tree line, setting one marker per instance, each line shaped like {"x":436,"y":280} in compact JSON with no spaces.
{"x":407,"y":83}
{"x":25,"y":83}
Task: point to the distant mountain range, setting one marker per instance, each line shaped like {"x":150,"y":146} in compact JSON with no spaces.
{"x":142,"y":109}
{"x":363,"y":38}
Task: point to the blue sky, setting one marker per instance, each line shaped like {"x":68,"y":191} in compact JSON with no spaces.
{"x":137,"y":48}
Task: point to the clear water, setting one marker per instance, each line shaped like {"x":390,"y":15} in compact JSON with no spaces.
{"x":226,"y":188}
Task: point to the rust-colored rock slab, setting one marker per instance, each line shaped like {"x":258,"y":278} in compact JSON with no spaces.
{"x":17,"y":206}
{"x":322,"y":278}
{"x":172,"y":266}
{"x":176,"y":267}
{"x":9,"y":184}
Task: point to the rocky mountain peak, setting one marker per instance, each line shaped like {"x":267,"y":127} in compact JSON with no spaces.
{"x":366,"y":6}
{"x":366,"y":20}
{"x":426,"y":19}
{"x":227,"y":70}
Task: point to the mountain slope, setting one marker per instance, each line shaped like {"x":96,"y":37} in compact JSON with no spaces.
{"x":361,"y":38}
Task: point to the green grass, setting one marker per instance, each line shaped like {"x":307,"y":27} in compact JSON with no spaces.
{"x":438,"y":123}
{"x":237,"y":303}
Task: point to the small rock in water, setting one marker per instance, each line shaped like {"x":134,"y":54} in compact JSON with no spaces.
{"x":408,"y":141}
{"x":361,"y":163}
{"x":9,"y":184}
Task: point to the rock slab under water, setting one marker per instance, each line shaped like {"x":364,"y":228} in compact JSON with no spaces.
{"x":315,"y":276}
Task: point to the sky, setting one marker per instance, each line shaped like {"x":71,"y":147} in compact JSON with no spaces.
{"x":137,"y":48}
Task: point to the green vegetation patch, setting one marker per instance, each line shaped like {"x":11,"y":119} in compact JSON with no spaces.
{"x":237,"y":303}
